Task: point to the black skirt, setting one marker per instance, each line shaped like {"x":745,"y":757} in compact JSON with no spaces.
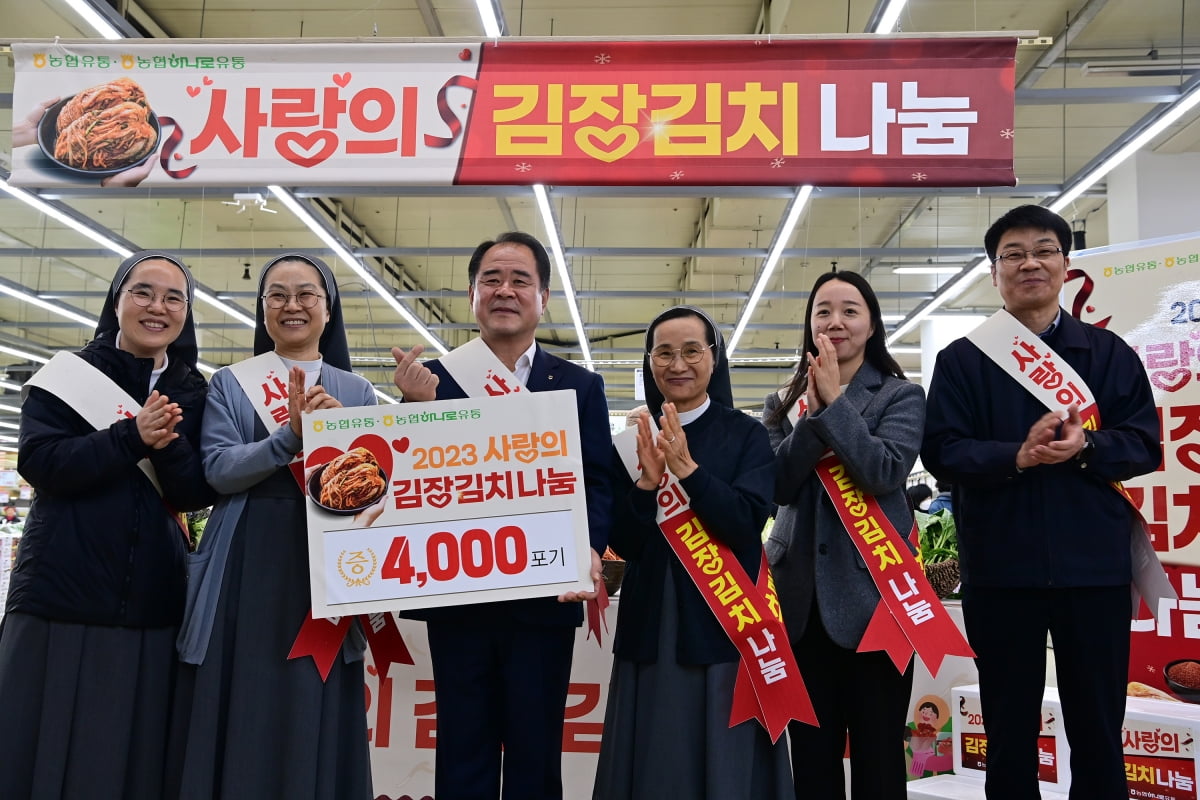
{"x":83,"y":709}
{"x":667,"y":734}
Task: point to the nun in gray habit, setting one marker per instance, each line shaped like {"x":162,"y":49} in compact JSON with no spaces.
{"x":666,"y":728}
{"x":87,"y":657}
{"x":250,"y":722}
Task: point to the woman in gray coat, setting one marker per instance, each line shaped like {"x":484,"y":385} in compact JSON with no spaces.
{"x":849,"y":396}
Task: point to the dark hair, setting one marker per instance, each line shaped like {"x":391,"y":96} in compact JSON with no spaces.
{"x":1028,"y":216}
{"x":944,"y":486}
{"x":876,"y":352}
{"x":918,"y":493}
{"x":513,"y":237}
{"x":932,"y":707}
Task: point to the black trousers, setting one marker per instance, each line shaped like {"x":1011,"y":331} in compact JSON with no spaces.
{"x":1090,"y":630}
{"x":862,"y":694}
{"x":499,"y":689}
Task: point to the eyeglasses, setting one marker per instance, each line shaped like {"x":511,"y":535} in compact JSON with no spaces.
{"x":1014,"y":258}
{"x":665,"y":356}
{"x":144,"y":298}
{"x":304,"y":299}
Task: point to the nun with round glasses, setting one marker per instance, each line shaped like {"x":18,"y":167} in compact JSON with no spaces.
{"x":87,"y":641}
{"x":666,"y":727}
{"x":251,"y":721}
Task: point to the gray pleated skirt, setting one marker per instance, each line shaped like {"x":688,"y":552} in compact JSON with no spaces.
{"x":667,"y":734}
{"x":84,"y":709}
{"x":249,"y":722}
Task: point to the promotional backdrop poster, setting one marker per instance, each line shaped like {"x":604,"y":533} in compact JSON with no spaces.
{"x":781,"y":111}
{"x":1149,"y":293}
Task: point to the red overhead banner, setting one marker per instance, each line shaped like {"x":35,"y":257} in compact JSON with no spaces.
{"x":772,"y":111}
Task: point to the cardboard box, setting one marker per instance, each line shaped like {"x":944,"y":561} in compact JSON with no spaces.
{"x":970,"y":740}
{"x":958,"y":787}
{"x":1160,"y":749}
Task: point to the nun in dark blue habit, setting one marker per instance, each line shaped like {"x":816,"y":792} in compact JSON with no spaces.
{"x":666,"y":727}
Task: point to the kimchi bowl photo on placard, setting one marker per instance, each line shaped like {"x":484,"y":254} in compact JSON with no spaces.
{"x":102,"y":130}
{"x":349,"y":483}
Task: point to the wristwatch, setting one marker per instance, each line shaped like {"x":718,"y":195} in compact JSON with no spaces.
{"x":1087,"y":451}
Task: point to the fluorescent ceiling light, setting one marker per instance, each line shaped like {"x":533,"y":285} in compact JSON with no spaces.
{"x":12,"y":387}
{"x":954,"y":270}
{"x":1177,"y":110}
{"x":384,"y":397}
{"x":342,"y":252}
{"x":782,"y":237}
{"x":951,"y":291}
{"x":560,"y":264}
{"x":977,"y":319}
{"x":25,"y":354}
{"x":224,"y":307}
{"x":889,"y":17}
{"x":94,"y":18}
{"x":41,"y":205}
{"x":11,"y":409}
{"x":766,"y":359}
{"x":11,"y":425}
{"x":30,"y":199}
{"x":487,"y":15}
{"x":34,"y":300}
{"x":892,"y":317}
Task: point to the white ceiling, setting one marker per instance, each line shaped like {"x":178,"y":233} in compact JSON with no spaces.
{"x":632,"y":251}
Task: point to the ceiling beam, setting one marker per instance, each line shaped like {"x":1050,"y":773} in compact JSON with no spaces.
{"x":1075,"y":26}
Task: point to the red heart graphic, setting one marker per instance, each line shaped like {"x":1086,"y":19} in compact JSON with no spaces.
{"x":376,"y":444}
{"x":440,"y":500}
{"x":193,"y":91}
{"x":341,"y":80}
{"x":464,"y":54}
{"x":401,"y":444}
{"x":324,"y":142}
{"x":322,"y":455}
{"x":1171,"y":380}
{"x":207,"y":80}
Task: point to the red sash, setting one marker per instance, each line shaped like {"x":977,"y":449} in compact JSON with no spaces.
{"x":909,"y":617}
{"x":769,"y":687}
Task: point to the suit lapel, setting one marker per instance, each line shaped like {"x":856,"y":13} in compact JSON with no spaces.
{"x":544,"y":375}
{"x":863,"y":386}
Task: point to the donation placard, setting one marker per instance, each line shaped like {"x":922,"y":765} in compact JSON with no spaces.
{"x":445,"y":503}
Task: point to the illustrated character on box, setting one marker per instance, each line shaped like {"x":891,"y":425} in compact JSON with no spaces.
{"x":927,"y":748}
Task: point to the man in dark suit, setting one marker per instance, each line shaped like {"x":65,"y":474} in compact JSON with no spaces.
{"x":1043,"y":536}
{"x":502,"y":669}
